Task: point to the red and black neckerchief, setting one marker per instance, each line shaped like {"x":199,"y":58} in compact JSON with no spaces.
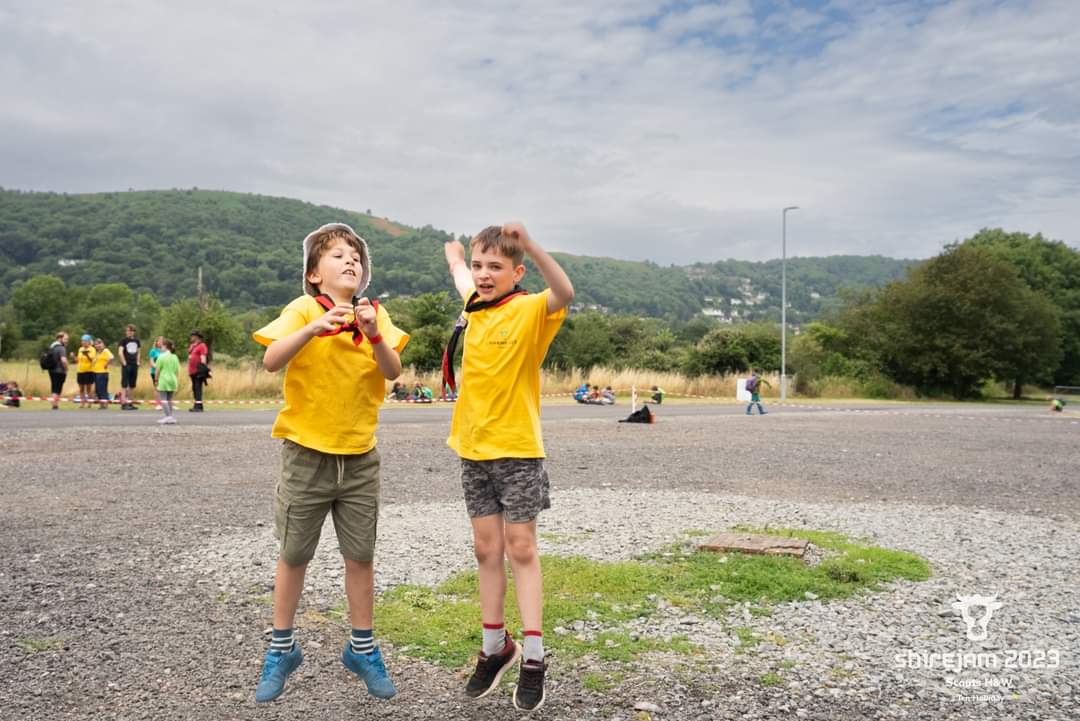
{"x":474,"y":304}
{"x":357,"y":336}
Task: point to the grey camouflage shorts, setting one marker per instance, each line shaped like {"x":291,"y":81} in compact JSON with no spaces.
{"x":518,"y":488}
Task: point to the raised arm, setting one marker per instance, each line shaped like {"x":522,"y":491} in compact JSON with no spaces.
{"x":562,"y":291}
{"x":459,"y":269}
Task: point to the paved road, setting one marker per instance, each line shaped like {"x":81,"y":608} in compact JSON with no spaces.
{"x":68,"y":417}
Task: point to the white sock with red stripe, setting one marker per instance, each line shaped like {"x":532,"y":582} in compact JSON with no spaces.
{"x":534,"y":646}
{"x":494,"y":638}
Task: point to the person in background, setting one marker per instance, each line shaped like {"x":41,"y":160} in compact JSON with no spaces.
{"x":657,"y":396}
{"x":198,"y":368}
{"x":59,"y":367}
{"x":167,"y":366}
{"x":128,"y":353}
{"x":153,"y":356}
{"x":84,"y":358}
{"x":101,"y":373}
{"x":12,"y":394}
{"x":753,"y":386}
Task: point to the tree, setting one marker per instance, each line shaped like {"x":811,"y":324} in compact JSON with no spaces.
{"x":107,"y":309}
{"x":429,"y":320}
{"x":583,"y":342}
{"x":41,"y":304}
{"x":961,"y":318}
{"x":1052,"y":269}
{"x":218,"y":326}
{"x":9,"y":331}
{"x":723,"y":350}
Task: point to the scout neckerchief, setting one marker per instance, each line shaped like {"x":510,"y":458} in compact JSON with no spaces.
{"x":471,"y":306}
{"x":357,"y":336}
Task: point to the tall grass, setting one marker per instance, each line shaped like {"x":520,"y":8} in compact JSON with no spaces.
{"x":245,"y":379}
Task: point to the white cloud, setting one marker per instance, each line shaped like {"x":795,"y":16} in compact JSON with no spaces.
{"x":612,"y":128}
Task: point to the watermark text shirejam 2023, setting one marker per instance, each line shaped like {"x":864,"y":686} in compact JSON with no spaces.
{"x":976,"y":612}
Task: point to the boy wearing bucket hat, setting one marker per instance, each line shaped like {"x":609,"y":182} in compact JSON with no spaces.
{"x":338,"y":349}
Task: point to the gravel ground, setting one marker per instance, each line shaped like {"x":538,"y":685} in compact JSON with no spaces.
{"x":135,"y":562}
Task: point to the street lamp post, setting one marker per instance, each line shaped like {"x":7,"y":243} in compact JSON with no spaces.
{"x":783,"y":303}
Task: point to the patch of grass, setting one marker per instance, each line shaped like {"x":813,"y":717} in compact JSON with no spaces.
{"x":770,"y":679}
{"x":747,"y":638}
{"x":696,"y":533}
{"x":263,"y":600}
{"x":30,"y":644}
{"x":550,"y":537}
{"x":787,"y":664}
{"x":442,"y":624}
{"x":599,"y":681}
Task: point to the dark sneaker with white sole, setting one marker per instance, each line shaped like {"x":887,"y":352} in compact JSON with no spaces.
{"x":490,"y":669}
{"x":529,"y":694}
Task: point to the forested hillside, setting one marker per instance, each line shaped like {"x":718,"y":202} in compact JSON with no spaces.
{"x":249,"y":249}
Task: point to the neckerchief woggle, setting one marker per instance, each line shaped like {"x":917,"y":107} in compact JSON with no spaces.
{"x":357,"y":336}
{"x":471,"y":306}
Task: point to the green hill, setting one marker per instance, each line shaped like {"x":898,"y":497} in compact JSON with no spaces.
{"x":249,"y":249}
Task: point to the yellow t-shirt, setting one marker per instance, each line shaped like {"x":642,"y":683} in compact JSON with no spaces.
{"x":102,"y":360}
{"x":85,"y":357}
{"x":497,"y":413}
{"x":333,"y":389}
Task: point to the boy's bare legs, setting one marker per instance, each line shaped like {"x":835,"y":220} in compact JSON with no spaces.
{"x":288,"y":585}
{"x":489,"y":548}
{"x":499,"y":652}
{"x":360,"y":590}
{"x":528,"y":579}
{"x":529,"y":584}
{"x":361,"y":655}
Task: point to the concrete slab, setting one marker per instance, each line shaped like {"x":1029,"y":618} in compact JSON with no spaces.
{"x":756,"y":544}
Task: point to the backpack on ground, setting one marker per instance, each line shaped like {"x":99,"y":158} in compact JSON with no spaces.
{"x":641,"y":415}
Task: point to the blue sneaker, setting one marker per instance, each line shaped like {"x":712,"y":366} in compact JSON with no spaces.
{"x":276,"y":668}
{"x":369,"y":667}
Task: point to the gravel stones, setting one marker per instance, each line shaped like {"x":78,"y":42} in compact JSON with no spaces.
{"x":141,"y":563}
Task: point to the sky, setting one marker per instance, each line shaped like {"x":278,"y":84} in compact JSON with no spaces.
{"x":672,"y":132}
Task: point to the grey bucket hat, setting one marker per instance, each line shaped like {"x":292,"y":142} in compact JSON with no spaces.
{"x":365,"y":256}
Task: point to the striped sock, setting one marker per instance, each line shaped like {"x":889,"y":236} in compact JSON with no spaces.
{"x":534,"y":646}
{"x":362,"y":640}
{"x":494,"y":638}
{"x":282,"y":640}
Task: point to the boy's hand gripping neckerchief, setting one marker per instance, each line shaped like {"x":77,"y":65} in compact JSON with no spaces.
{"x":357,"y":335}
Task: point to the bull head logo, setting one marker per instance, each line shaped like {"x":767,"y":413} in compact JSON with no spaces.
{"x":976,"y":625}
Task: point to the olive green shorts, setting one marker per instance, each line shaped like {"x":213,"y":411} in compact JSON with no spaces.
{"x":314,"y":483}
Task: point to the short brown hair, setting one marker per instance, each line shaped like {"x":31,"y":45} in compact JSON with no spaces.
{"x":491,"y":238}
{"x":324,"y":241}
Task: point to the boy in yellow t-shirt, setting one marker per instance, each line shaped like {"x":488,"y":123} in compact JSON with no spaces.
{"x":101,"y":373}
{"x":496,"y":432}
{"x":338,"y":350}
